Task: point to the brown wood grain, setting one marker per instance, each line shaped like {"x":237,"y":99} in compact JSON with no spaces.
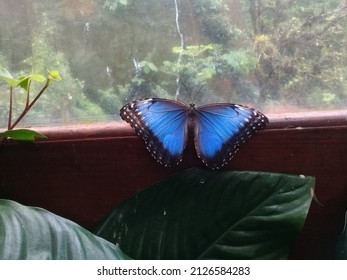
{"x":82,"y":172}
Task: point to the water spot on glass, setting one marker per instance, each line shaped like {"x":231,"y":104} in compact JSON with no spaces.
{"x":109,"y":71}
{"x":120,"y":217}
{"x":86,"y":30}
{"x":137,"y":67}
{"x":202,"y":181}
{"x":86,"y":27}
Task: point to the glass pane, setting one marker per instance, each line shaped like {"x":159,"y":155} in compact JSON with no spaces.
{"x":274,"y":55}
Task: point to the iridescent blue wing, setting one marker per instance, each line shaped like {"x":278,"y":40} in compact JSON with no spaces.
{"x":162,"y":124}
{"x":221,"y":128}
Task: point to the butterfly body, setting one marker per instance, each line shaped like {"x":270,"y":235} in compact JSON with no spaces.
{"x":219,"y":129}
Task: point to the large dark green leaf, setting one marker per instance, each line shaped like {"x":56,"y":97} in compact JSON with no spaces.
{"x":202,"y":214}
{"x":341,"y":248}
{"x":34,"y":233}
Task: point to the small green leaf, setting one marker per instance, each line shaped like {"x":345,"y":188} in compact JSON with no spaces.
{"x":22,"y":134}
{"x":206,"y":74}
{"x":148,"y":66}
{"x":177,"y":49}
{"x":54,"y":75}
{"x":4,"y":74}
{"x":37,"y":77}
{"x":24,"y":82}
{"x":153,"y":67}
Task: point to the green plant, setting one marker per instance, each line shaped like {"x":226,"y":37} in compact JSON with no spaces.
{"x":301,"y":53}
{"x":194,"y":214}
{"x":203,"y":214}
{"x":40,"y":234}
{"x":341,"y":246}
{"x":204,"y":62}
{"x":115,"y":4}
{"x":210,"y":64}
{"x":24,"y":82}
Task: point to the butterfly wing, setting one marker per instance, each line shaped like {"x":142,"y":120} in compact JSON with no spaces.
{"x":162,"y":124}
{"x":221,"y":128}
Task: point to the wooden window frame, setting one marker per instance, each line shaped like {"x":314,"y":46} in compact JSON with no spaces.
{"x":82,"y":171}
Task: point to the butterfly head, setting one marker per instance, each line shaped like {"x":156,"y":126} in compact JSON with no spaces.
{"x":192,"y":106}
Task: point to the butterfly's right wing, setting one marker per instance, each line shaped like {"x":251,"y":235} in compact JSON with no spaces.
{"x":221,"y":128}
{"x":162,"y":124}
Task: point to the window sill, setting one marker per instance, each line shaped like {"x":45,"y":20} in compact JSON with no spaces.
{"x":121,"y":129}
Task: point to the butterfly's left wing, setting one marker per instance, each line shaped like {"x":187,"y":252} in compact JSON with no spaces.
{"x":162,"y":124}
{"x":221,"y":128}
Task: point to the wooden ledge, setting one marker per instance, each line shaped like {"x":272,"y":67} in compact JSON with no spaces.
{"x":118,"y":129}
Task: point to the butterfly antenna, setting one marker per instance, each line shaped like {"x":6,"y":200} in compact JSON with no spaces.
{"x":188,"y":91}
{"x":192,"y":98}
{"x":196,"y":94}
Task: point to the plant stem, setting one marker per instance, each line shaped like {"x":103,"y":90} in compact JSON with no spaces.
{"x":10,"y":109}
{"x":28,"y":95}
{"x":28,"y":106}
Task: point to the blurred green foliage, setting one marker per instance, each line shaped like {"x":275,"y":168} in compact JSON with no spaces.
{"x":269,"y":54}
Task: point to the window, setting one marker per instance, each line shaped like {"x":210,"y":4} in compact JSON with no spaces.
{"x":276,"y":56}
{"x":279,"y":56}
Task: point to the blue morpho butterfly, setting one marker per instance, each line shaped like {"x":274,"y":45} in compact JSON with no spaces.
{"x":219,"y":128}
